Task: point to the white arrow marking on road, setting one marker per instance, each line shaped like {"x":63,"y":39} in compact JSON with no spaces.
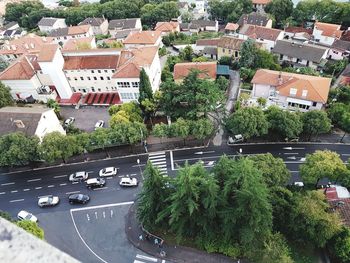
{"x":7,"y":184}
{"x":290,"y":153}
{"x":2,"y":193}
{"x":292,"y":158}
{"x":204,"y":152}
{"x":50,"y":186}
{"x":293,"y":148}
{"x":33,"y":180}
{"x":18,"y":200}
{"x":75,"y":182}
{"x":63,"y":184}
{"x":104,"y":214}
{"x":75,"y":192}
{"x":345,"y":154}
{"x":88,"y":218}
{"x":103,"y":188}
{"x":37,"y":188}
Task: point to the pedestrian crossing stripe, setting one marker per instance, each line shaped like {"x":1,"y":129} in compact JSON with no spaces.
{"x":159,"y":160}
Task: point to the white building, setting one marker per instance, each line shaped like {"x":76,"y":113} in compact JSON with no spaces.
{"x":99,"y":25}
{"x":259,"y":5}
{"x":62,"y":35}
{"x":339,"y":50}
{"x":32,"y":121}
{"x":325,"y":33}
{"x":291,"y":91}
{"x":48,"y":24}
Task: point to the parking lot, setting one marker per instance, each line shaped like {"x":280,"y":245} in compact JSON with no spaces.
{"x":86,"y":117}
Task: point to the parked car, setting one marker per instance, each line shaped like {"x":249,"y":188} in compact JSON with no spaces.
{"x":78,"y":176}
{"x":69,"y":121}
{"x":95,"y":182}
{"x":99,"y":124}
{"x":24,"y":215}
{"x":127,"y":181}
{"x":78,"y":199}
{"x":108,"y":171}
{"x":235,"y":139}
{"x":49,"y":200}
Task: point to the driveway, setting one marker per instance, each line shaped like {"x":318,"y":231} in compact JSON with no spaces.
{"x":86,"y":117}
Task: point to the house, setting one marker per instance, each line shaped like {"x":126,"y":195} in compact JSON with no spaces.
{"x":229,"y":46}
{"x":99,"y":25}
{"x":32,"y":121}
{"x":13,"y":33}
{"x":62,"y":35}
{"x":259,"y":5}
{"x":207,"y":47}
{"x":143,"y":39}
{"x":339,"y":50}
{"x":80,"y":43}
{"x":119,"y":25}
{"x":167,"y":27}
{"x":325,"y":33}
{"x":197,"y":26}
{"x":64,"y":74}
{"x":291,"y":91}
{"x":231,"y":28}
{"x":300,"y":34}
{"x":267,"y":36}
{"x":48,"y":24}
{"x":30,"y":44}
{"x":255,"y":19}
{"x":301,"y":55}
{"x":207,"y":70}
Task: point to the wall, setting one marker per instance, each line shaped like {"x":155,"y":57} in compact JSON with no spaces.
{"x":262,"y":91}
{"x":335,"y":54}
{"x":130,"y":93}
{"x":48,"y":123}
{"x":322,"y":39}
{"x":224,"y":52}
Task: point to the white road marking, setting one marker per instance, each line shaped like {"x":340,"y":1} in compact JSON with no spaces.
{"x":137,"y":165}
{"x":345,"y":154}
{"x":18,"y":200}
{"x":50,"y":186}
{"x":290,"y":153}
{"x":138,"y":261}
{"x":156,"y":153}
{"x":96,"y":215}
{"x":88,"y":218}
{"x":33,"y":180}
{"x":39,"y":187}
{"x":160,"y":157}
{"x":7,"y":184}
{"x":63,"y":184}
{"x":146,"y":258}
{"x":42,"y":196}
{"x":163,"y":261}
{"x":14,"y":191}
{"x":159,"y":162}
{"x":75,"y":192}
{"x":101,"y":206}
{"x":25,"y":190}
{"x":171,"y":160}
{"x":102,"y":188}
{"x":104,"y":214}
{"x":2,"y":193}
{"x":133,"y":174}
{"x":109,"y":178}
{"x":75,"y":182}
{"x":111,"y":213}
{"x":89,"y":172}
{"x":59,"y":176}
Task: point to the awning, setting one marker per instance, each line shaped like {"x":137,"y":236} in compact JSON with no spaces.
{"x":303,"y":102}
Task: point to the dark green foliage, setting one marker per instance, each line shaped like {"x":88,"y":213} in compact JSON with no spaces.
{"x":339,"y":246}
{"x":334,"y":68}
{"x":229,"y":11}
{"x":5,"y":96}
{"x":315,"y":122}
{"x":145,"y":88}
{"x":281,"y":10}
{"x":6,"y":215}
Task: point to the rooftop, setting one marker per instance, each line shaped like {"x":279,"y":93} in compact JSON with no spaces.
{"x":79,"y":43}
{"x":128,"y":23}
{"x":341,"y":45}
{"x":48,"y":21}
{"x":208,"y":42}
{"x":93,"y":21}
{"x":166,"y":26}
{"x":70,"y":31}
{"x":48,"y":52}
{"x":261,"y":2}
{"x":231,"y":26}
{"x":21,"y":69}
{"x":329,"y":30}
{"x":230,"y":42}
{"x":143,"y":37}
{"x":208,"y":69}
{"x":27,"y":44}
{"x":297,"y":29}
{"x":253,"y":19}
{"x":90,"y":62}
{"x":260,"y":32}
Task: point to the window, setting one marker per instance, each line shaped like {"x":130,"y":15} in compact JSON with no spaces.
{"x":293,"y":92}
{"x":92,"y":89}
{"x":135,"y":84}
{"x":95,"y":78}
{"x":75,"y":78}
{"x":223,"y":50}
{"x":105,"y":70}
{"x":88,"y":78}
{"x":99,"y":90}
{"x":73,"y":89}
{"x":304,"y":94}
{"x":127,"y":95}
{"x":92,"y":71}
{"x":82,"y":78}
{"x":123,"y":84}
{"x":314,"y":104}
{"x":68,"y":78}
{"x":99,"y":71}
{"x":101,"y":78}
{"x":113,"y":70}
{"x":108,"y":78}
{"x":107,"y":88}
{"x":136,"y":96}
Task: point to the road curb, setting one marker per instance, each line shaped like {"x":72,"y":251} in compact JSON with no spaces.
{"x":292,"y":143}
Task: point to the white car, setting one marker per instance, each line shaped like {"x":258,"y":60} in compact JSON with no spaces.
{"x":108,"y":171}
{"x":49,"y":200}
{"x":78,"y":176}
{"x":69,"y":121}
{"x":127,"y":181}
{"x":24,"y":215}
{"x":99,"y":124}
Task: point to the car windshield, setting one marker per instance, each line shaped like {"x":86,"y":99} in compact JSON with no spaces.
{"x":28,"y":216}
{"x":80,"y":197}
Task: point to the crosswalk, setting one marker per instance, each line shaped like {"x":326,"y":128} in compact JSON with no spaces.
{"x":158,"y":159}
{"x":147,"y":259}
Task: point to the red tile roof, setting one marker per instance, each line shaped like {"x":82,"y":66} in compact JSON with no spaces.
{"x":90,"y":62}
{"x":48,"y":52}
{"x":208,"y":69}
{"x":296,"y":29}
{"x":208,"y":42}
{"x":167,"y":26}
{"x":261,"y":2}
{"x":257,"y":32}
{"x":143,"y":37}
{"x":231,"y":26}
{"x":329,"y":30}
{"x":79,"y":43}
{"x":19,"y":70}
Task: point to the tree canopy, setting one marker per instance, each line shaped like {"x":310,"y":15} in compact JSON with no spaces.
{"x":32,"y":228}
{"x":315,"y":122}
{"x":229,"y":11}
{"x":281,"y":10}
{"x":5,"y":96}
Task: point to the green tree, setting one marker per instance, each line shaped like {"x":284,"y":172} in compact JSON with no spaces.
{"x":315,"y":122}
{"x":275,"y":250}
{"x":17,"y":149}
{"x":345,"y":124}
{"x":3,"y":65}
{"x":274,"y":171}
{"x":145,"y":88}
{"x":6,"y":215}
{"x":100,"y":137}
{"x":229,"y":11}
{"x":249,"y":122}
{"x":5,"y":96}
{"x":181,"y":128}
{"x":323,"y":164}
{"x":339,"y":245}
{"x":160,"y":130}
{"x":53,"y":104}
{"x":262,"y":101}
{"x":118,"y":118}
{"x":281,"y":10}
{"x":202,"y":128}
{"x":132,"y":109}
{"x":284,"y":123}
{"x":32,"y":228}
{"x":222,"y":83}
{"x":336,"y":112}
{"x":152,"y":199}
{"x":187,"y":53}
{"x":248,"y":54}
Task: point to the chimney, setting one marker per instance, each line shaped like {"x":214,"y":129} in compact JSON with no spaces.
{"x":19,"y":124}
{"x":26,"y":46}
{"x":280,"y":80}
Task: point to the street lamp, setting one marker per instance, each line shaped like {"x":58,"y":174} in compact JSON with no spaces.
{"x":138,"y":162}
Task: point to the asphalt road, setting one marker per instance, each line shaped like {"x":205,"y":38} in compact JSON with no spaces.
{"x":95,"y":232}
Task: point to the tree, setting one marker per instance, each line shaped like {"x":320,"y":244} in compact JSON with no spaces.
{"x":160,"y":130}
{"x":336,"y":112}
{"x":181,"y":128}
{"x":275,"y":250}
{"x":222,"y":83}
{"x":202,"y":128}
{"x":322,"y":164}
{"x":187,"y":53}
{"x":274,"y":171}
{"x":145,"y":88}
{"x":284,"y":123}
{"x":132,"y":109}
{"x":6,"y":215}
{"x":118,"y":118}
{"x":3,"y":64}
{"x":262,"y":101}
{"x":17,"y":149}
{"x":339,"y":245}
{"x":229,"y":11}
{"x":53,"y":104}
{"x":345,"y":124}
{"x":5,"y":96}
{"x":249,"y":122}
{"x":315,"y":122}
{"x":281,"y":10}
{"x":152,"y":199}
{"x":248,"y":54}
{"x":32,"y":228}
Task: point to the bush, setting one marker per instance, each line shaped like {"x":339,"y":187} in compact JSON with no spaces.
{"x":31,"y":227}
{"x":6,"y":215}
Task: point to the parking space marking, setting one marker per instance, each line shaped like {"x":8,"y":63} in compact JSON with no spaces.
{"x":25,"y":190}
{"x":63,"y":184}
{"x":75,"y":192}
{"x":17,"y":200}
{"x":101,"y":206}
{"x":7,"y":184}
{"x":96,"y":215}
{"x":50,"y":186}
{"x":88,"y":218}
{"x":14,"y":191}
{"x":101,"y":188}
{"x":33,"y":180}
{"x":111,"y":213}
{"x":2,"y":193}
{"x":39,"y":187}
{"x":59,"y":176}
{"x":146,"y":258}
{"x":75,"y":182}
{"x":104,"y":214}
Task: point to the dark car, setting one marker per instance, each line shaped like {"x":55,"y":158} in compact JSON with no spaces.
{"x":78,"y":199}
{"x":95,"y":182}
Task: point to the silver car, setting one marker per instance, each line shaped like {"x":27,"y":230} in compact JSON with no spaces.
{"x":108,"y":171}
{"x":78,"y":176}
{"x":49,"y":200}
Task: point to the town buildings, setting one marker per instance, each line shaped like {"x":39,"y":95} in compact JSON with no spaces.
{"x":99,"y":25}
{"x":144,"y":39}
{"x":120,"y":28}
{"x":325,"y":33}
{"x":48,"y":24}
{"x":207,"y":70}
{"x":62,"y":35}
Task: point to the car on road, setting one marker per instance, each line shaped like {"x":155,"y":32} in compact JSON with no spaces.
{"x":24,"y":215}
{"x":78,"y":176}
{"x":95,"y":182}
{"x":235,"y":139}
{"x":127,"y":181}
{"x":78,"y":199}
{"x":69,"y":121}
{"x":99,"y":124}
{"x":48,"y":200}
{"x":108,"y":171}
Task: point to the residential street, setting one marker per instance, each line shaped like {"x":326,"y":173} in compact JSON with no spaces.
{"x":80,"y":230}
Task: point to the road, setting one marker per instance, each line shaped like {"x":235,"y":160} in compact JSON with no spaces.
{"x":95,"y":232}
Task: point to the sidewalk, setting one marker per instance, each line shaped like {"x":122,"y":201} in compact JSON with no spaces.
{"x":177,"y":254}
